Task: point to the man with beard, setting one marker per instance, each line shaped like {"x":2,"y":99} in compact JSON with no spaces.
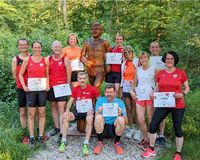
{"x":84,"y":96}
{"x":93,"y":56}
{"x":109,"y":126}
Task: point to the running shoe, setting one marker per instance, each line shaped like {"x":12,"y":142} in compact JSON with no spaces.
{"x":118,"y":148}
{"x":25,"y":140}
{"x":54,"y":132}
{"x":161,"y":142}
{"x":42,"y":143}
{"x":98,"y":148}
{"x":177,"y":156}
{"x":59,"y":140}
{"x":85,"y":149}
{"x":32,"y":142}
{"x":62,"y":147}
{"x":148,"y":153}
{"x":143,"y":144}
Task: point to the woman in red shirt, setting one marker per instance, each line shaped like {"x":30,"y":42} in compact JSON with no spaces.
{"x":59,"y":73}
{"x":35,"y":90}
{"x":170,"y":79}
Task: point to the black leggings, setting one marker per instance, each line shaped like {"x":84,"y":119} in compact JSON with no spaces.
{"x":160,"y":114}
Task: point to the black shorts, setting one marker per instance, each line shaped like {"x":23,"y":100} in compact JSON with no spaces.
{"x":126,"y":95}
{"x":36,"y":98}
{"x":21,"y":96}
{"x":74,"y":76}
{"x":51,"y":96}
{"x":113,"y":77}
{"x":79,"y":115}
{"x":109,"y":131}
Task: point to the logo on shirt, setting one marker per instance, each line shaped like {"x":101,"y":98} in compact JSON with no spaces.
{"x":175,"y":75}
{"x":41,"y":64}
{"x":59,"y":63}
{"x":86,"y":92}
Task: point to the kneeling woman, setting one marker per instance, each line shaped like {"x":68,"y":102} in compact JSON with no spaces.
{"x":36,"y":90}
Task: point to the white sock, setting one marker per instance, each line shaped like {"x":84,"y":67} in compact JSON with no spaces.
{"x":86,"y":141}
{"x":64,"y":140}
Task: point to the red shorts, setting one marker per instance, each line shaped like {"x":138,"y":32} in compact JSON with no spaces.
{"x":144,"y":103}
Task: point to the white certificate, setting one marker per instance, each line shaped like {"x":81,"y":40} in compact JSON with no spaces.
{"x":84,"y":105}
{"x":157,"y":62}
{"x":37,"y":84}
{"x":110,"y":109}
{"x":126,"y":86}
{"x":76,"y":65}
{"x":143,"y":92}
{"x":61,"y":90}
{"x":164,"y":99}
{"x":113,"y":58}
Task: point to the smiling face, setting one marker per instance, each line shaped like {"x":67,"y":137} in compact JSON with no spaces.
{"x":96,"y":30}
{"x":56,"y":48}
{"x":143,"y":59}
{"x":128,"y":55}
{"x":169,"y":61}
{"x":23,"y":46}
{"x":110,"y":94}
{"x":155,"y":49}
{"x":82,"y":79}
{"x":119,"y":41}
{"x":37,"y":49}
{"x":72,"y":40}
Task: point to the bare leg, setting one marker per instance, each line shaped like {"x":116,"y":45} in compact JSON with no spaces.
{"x":22,"y":112}
{"x":99,"y":80}
{"x":119,"y":126}
{"x":129,"y":110}
{"x":89,"y":125}
{"x":99,"y":123}
{"x":61,"y":108}
{"x":54,"y":112}
{"x":42,"y":119}
{"x":65,"y":124}
{"x":31,"y":116}
{"x":117,"y":85}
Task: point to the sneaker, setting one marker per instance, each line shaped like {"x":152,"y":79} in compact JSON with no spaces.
{"x":32,"y":143}
{"x":42,"y":143}
{"x":85,"y":150}
{"x":177,"y":156}
{"x":143,"y":145}
{"x":98,"y":148}
{"x":62,"y":147}
{"x":118,"y":148}
{"x":25,"y":140}
{"x":54,"y":132}
{"x":59,"y":140}
{"x":148,"y":153}
{"x":161,"y":142}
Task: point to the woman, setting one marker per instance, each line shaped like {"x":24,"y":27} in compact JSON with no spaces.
{"x":145,"y":84}
{"x":170,"y":79}
{"x":36,"y":90}
{"x":59,"y":73}
{"x":128,"y":75}
{"x":73,"y":52}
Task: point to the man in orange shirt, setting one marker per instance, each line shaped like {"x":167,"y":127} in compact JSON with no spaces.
{"x":93,"y":55}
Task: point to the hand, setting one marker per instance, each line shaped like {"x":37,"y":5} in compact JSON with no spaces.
{"x":100,"y":109}
{"x":178,"y":95}
{"x":26,"y":89}
{"x":119,"y":111}
{"x":108,"y":68}
{"x":133,"y":95}
{"x":47,"y":88}
{"x":152,"y":95}
{"x":91,"y":112}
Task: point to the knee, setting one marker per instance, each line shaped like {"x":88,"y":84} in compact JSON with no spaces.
{"x":89,"y":119}
{"x":66,"y":117}
{"x":141,"y":121}
{"x":41,"y":114}
{"x":31,"y":115}
{"x":98,"y":118}
{"x":22,"y":112}
{"x":178,"y":132}
{"x":120,"y":121}
{"x":153,"y":128}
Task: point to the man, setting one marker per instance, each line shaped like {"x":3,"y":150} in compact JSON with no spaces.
{"x":23,"y":45}
{"x":110,"y":126}
{"x":155,"y":52}
{"x":113,"y":74}
{"x":83,"y":95}
{"x":93,"y":56}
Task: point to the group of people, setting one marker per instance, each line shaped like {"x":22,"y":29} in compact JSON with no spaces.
{"x":135,"y":80}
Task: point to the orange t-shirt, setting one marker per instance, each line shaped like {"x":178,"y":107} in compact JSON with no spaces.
{"x":72,"y":53}
{"x":129,"y":71}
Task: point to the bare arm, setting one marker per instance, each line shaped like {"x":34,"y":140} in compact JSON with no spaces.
{"x":68,"y":70}
{"x":83,"y":53}
{"x":186,"y":87}
{"x":21,"y":73}
{"x":47,"y":72}
{"x":14,"y":65}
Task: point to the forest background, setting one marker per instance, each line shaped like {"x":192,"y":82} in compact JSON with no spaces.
{"x":175,"y":24}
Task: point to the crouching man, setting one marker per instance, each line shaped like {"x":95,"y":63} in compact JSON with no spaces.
{"x":110,"y":119}
{"x":84,"y":96}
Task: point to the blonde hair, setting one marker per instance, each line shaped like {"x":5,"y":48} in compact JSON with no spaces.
{"x":72,"y":34}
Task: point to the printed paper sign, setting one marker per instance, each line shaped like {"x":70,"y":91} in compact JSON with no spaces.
{"x":157,"y":62}
{"x":37,"y":84}
{"x":113,"y":58}
{"x":61,"y":90}
{"x":143,"y":92}
{"x":84,"y":105}
{"x":164,"y":99}
{"x":110,"y":109}
{"x":126,"y":86}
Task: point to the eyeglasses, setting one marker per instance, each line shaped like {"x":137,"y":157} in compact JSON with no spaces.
{"x":128,"y":52}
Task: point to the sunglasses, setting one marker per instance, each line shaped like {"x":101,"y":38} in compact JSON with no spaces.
{"x":128,"y":52}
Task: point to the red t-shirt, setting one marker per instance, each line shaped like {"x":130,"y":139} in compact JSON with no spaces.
{"x":57,"y":71}
{"x":18,"y":67}
{"x":172,"y":82}
{"x":89,"y":92}
{"x":36,"y":70}
{"x":116,"y":67}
